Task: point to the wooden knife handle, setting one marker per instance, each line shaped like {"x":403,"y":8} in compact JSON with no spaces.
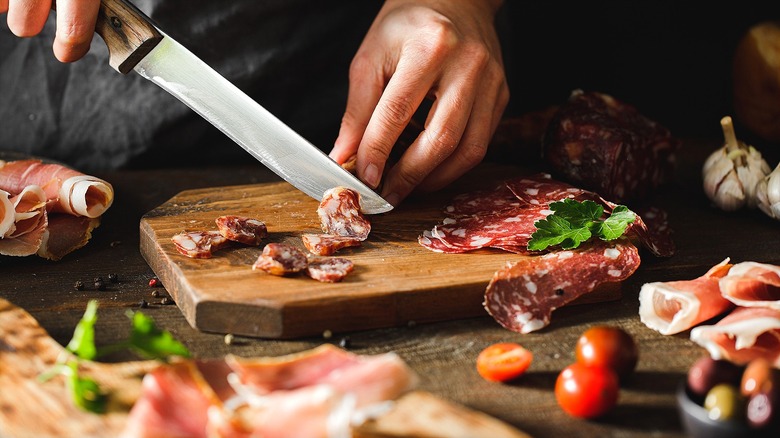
{"x":128,"y":33}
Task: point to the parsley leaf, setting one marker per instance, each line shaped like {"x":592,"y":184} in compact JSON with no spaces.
{"x":573,"y":222}
{"x":145,"y":338}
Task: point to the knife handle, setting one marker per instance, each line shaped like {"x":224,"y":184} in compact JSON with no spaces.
{"x":128,"y":33}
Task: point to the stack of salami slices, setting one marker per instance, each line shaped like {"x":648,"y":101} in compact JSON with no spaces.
{"x":47,"y":208}
{"x":522,"y":295}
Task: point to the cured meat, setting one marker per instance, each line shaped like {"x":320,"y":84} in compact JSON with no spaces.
{"x":674,"y":306}
{"x":504,"y":218}
{"x":198,"y":244}
{"x":64,"y":234}
{"x":7,"y":214}
{"x":751,"y":284}
{"x":29,"y":223}
{"x":607,"y":146}
{"x":329,"y":270}
{"x":340,"y":215}
{"x":522,"y":296}
{"x":281,"y":259}
{"x":743,"y":335}
{"x":316,"y":393}
{"x":248,"y":231}
{"x":327,"y":244}
{"x":68,"y":190}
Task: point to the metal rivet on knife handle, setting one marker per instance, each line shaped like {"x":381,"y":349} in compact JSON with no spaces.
{"x":128,"y":33}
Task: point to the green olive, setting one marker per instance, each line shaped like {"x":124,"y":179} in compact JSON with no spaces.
{"x":724,"y":402}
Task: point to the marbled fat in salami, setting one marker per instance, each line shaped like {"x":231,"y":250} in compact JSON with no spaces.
{"x":198,"y":244}
{"x":522,"y":296}
{"x":607,"y":146}
{"x":246,"y":230}
{"x":281,"y":259}
{"x":340,"y":215}
{"x":327,"y":244}
{"x":329,"y":269}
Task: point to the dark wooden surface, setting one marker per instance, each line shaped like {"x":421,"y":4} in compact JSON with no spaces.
{"x":442,"y":353}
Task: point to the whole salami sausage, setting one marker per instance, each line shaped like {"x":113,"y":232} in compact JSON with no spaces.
{"x":522,"y":296}
{"x":607,"y":146}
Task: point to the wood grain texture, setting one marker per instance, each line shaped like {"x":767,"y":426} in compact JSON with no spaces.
{"x":396,"y":281}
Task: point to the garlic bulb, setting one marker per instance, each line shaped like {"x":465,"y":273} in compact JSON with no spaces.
{"x":768,"y":194}
{"x":732,"y":172}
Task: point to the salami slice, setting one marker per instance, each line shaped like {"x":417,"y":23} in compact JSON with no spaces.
{"x":198,"y":244}
{"x":248,"y":231}
{"x":522,"y":296}
{"x":281,"y":259}
{"x":541,"y":189}
{"x":340,"y":215}
{"x":327,"y":244}
{"x":329,"y":269}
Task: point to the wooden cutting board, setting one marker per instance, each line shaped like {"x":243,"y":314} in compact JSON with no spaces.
{"x":395,"y":282}
{"x":35,"y":409}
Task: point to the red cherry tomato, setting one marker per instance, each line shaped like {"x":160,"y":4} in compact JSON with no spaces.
{"x":586,"y":391}
{"x":503,"y":361}
{"x":608,"y":347}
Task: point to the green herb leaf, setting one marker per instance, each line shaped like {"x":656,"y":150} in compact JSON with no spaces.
{"x":150,"y":341}
{"x":85,"y":392}
{"x":83,"y":342}
{"x":573,"y":222}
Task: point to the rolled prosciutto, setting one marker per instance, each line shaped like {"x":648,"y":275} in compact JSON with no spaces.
{"x":674,"y":306}
{"x":751,"y":284}
{"x":744,"y":334}
{"x":67,"y":190}
{"x":30,"y":220}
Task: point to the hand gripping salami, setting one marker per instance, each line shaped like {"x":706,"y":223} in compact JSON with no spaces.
{"x":607,"y":146}
{"x":522,"y":296}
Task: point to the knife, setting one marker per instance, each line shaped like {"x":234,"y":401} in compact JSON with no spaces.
{"x":134,"y":43}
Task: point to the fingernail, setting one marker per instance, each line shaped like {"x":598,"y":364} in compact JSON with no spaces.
{"x":371,"y":175}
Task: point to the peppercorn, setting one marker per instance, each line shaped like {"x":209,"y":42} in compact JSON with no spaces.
{"x":99,"y":284}
{"x":345,"y":342}
{"x":79,"y":285}
{"x":113,"y":278}
{"x":154,"y":282}
{"x":143,"y":304}
{"x":167,"y":300}
{"x":156,"y":293}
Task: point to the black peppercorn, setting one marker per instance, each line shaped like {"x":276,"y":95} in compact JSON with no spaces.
{"x":345,"y":342}
{"x":143,"y":304}
{"x":79,"y":285}
{"x":167,"y":300}
{"x":156,"y":293}
{"x":113,"y":278}
{"x":99,"y":284}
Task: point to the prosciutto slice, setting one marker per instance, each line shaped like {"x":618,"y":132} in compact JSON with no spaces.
{"x":67,"y":190}
{"x":674,"y":306}
{"x":30,"y":220}
{"x":316,"y":393}
{"x":751,"y":284}
{"x":744,"y":334}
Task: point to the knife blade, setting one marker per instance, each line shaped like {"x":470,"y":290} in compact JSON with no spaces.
{"x":135,"y":43}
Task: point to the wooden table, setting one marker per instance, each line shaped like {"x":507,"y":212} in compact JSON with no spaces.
{"x":442,"y":353}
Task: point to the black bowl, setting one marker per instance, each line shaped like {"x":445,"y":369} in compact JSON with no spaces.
{"x":698,"y":425}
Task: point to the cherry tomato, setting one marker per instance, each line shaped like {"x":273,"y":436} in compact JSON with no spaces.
{"x":608,"y":347}
{"x":587,"y":391}
{"x":503,"y":361}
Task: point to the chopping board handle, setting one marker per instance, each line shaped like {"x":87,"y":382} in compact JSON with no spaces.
{"x":128,"y":33}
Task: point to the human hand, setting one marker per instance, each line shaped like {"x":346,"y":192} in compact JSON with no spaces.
{"x":446,"y":50}
{"x":75,"y":23}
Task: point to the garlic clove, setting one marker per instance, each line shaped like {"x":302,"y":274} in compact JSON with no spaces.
{"x":768,"y":194}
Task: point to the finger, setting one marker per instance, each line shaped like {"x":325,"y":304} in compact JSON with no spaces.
{"x":75,"y":28}
{"x":404,"y":92}
{"x":366,"y":82}
{"x":485,"y":117}
{"x":447,"y":123}
{"x":26,"y":18}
